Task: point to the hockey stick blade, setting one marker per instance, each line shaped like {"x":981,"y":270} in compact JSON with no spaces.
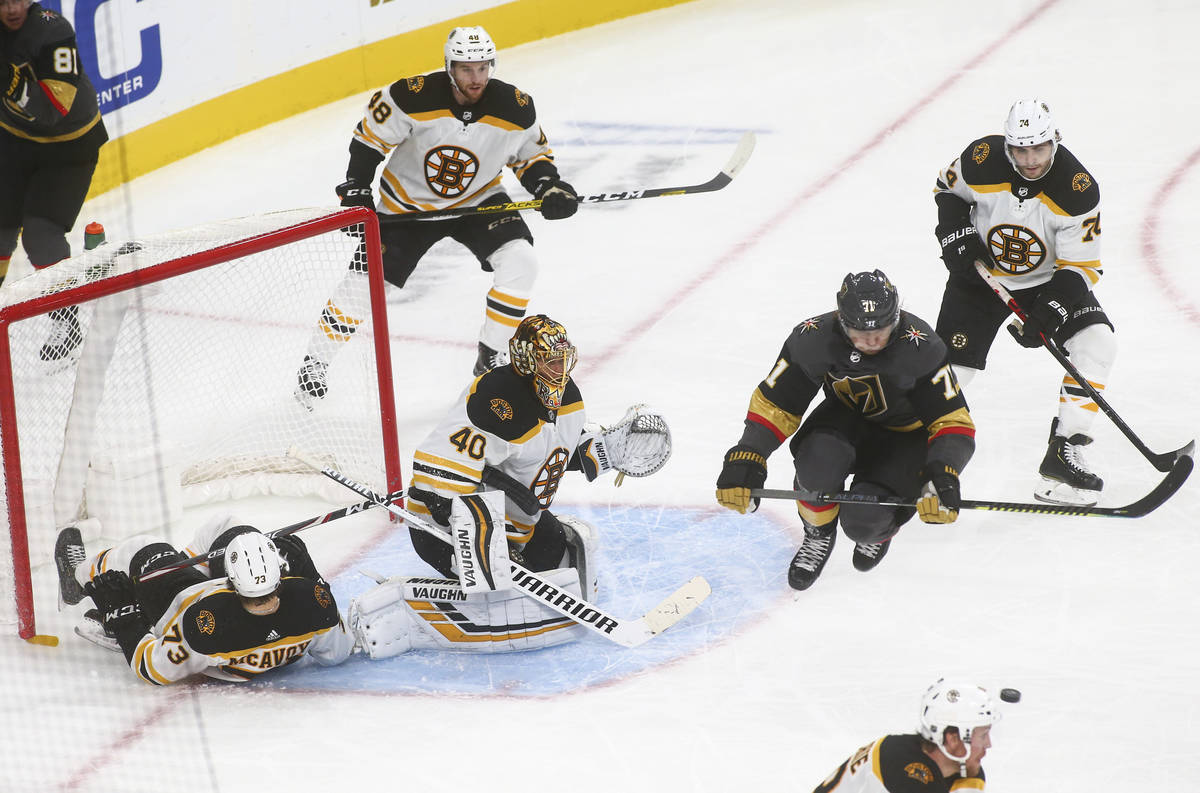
{"x":1143,"y":506}
{"x":626,"y":632}
{"x":741,"y":155}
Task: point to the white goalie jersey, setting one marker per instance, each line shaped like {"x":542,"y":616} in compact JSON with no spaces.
{"x":440,"y":155}
{"x":1034,"y":228}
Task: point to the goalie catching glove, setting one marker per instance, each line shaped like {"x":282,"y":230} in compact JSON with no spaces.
{"x":743,"y":470}
{"x":638,"y":445}
{"x":940,"y":498}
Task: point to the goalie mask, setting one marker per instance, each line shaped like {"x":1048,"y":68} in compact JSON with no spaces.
{"x":252,"y":564}
{"x":541,"y":351}
{"x":963,"y":706}
{"x":469,"y":45}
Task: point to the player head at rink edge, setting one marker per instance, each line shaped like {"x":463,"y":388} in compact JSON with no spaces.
{"x":957,"y":718}
{"x":470,"y":56}
{"x":868,"y":310}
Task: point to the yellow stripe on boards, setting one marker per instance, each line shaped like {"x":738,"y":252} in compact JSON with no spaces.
{"x":348,"y":73}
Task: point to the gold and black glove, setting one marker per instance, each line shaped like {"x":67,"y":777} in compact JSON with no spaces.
{"x":743,"y":470}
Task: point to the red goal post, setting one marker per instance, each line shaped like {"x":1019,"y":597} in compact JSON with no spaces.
{"x":180,"y":388}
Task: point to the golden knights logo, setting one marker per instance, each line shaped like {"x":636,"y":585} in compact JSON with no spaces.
{"x":812,"y":323}
{"x":206,"y":622}
{"x":913,"y":335}
{"x":862,"y":394}
{"x":501,"y":408}
{"x":980,"y":153}
{"x":449,"y":170}
{"x":545,"y":484}
{"x":1016,"y":249}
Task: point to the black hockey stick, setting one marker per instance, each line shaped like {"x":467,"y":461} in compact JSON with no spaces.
{"x":1164,"y":461}
{"x":626,"y":632}
{"x":1143,"y":506}
{"x":736,"y":162}
{"x":286,"y":530}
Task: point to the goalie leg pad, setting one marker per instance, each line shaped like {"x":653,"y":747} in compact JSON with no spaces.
{"x":480,"y":543}
{"x":435,"y":614}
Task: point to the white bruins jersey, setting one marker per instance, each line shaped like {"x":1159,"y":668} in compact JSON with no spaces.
{"x":442,"y":155}
{"x":895,"y":764}
{"x":499,"y":422}
{"x":206,"y":631}
{"x":1031,"y":228}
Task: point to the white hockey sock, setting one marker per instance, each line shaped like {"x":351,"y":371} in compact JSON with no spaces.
{"x":515,"y":270}
{"x":1091,"y":351}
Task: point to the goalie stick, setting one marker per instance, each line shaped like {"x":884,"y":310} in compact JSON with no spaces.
{"x":1143,"y":506}
{"x":626,"y":632}
{"x":286,"y":530}
{"x":736,"y":162}
{"x":1162,"y":461}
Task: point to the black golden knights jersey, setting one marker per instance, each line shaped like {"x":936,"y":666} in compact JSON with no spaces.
{"x":57,"y":102}
{"x":499,"y":422}
{"x":1031,"y":228}
{"x":441,"y":154}
{"x":895,"y":764}
{"x":206,"y":631}
{"x":908,"y":386}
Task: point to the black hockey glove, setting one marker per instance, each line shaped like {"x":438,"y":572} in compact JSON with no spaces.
{"x":1051,"y":308}
{"x":742,"y":470}
{"x":438,"y":506}
{"x":559,"y":199}
{"x":13,"y":80}
{"x":114,"y":595}
{"x":961,"y":247}
{"x":354,"y":193}
{"x":940,"y":499}
{"x":295,"y":555}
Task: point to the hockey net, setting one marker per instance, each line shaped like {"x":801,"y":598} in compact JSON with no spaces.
{"x":181,"y":384}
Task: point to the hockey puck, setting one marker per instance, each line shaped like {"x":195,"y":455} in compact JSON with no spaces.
{"x":1010,"y":695}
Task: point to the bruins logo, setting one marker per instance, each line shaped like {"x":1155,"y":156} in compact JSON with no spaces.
{"x":980,"y":153}
{"x":206,"y":622}
{"x":449,"y":170}
{"x":501,"y":408}
{"x":415,"y":84}
{"x":958,"y":340}
{"x":1016,"y":249}
{"x":545,"y":484}
{"x":522,"y":98}
{"x":919,"y":772}
{"x":322,"y":595}
{"x":1081,"y":182}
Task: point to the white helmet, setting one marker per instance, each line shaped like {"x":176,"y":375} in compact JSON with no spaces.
{"x":252,"y":564}
{"x":471,"y":44}
{"x":1029,"y":123}
{"x":951,"y":703}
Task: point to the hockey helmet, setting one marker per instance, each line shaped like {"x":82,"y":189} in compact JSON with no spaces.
{"x":1029,"y":123}
{"x":469,"y":44}
{"x":541,"y":350}
{"x":868,"y":301}
{"x":253,"y":565}
{"x":963,"y":706}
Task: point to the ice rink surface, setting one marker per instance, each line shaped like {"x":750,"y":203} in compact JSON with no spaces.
{"x":684,"y":303}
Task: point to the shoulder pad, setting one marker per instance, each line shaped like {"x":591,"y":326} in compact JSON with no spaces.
{"x":983,"y":162}
{"x":422,"y":93}
{"x":503,"y":404}
{"x":1071,"y":186}
{"x":509,"y":103}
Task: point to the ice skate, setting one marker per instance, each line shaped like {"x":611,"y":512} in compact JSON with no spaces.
{"x":489,"y":359}
{"x":92,"y":628}
{"x":814,"y":552}
{"x":69,"y":554}
{"x":1066,"y":478}
{"x":867,"y":555}
{"x":311,"y":381}
{"x":64,"y":338}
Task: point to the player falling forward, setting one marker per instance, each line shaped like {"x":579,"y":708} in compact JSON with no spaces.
{"x":893,"y":417}
{"x":446,"y":138}
{"x":1032,"y":217}
{"x":262,"y":606}
{"x":944,"y":755}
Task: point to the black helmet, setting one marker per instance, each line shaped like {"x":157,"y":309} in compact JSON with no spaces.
{"x":868,"y":301}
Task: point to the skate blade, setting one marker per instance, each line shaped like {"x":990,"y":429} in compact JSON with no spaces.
{"x":96,"y":635}
{"x":1053,"y":492}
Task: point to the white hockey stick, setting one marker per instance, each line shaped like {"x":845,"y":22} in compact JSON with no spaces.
{"x":626,"y":632}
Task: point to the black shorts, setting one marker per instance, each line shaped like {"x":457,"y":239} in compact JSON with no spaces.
{"x":406,"y":242}
{"x":155,"y":595}
{"x":45,"y":180}
{"x":971,"y":315}
{"x":888,"y":458}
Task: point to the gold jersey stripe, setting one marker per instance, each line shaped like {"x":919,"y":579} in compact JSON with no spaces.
{"x":786,"y":423}
{"x":441,"y":462}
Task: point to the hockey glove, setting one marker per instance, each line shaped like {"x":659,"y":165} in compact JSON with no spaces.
{"x":742,"y":470}
{"x":559,"y":199}
{"x":354,"y":193}
{"x":114,"y":595}
{"x":296,"y":559}
{"x":961,"y":248}
{"x":940,"y":498}
{"x":1051,"y":308}
{"x":12,"y":82}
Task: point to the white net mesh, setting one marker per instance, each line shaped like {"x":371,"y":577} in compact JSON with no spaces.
{"x":182,"y":391}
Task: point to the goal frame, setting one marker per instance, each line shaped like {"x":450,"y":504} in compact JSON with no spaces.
{"x":10,"y":441}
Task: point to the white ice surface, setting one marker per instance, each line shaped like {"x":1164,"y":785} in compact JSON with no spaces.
{"x":684,"y":302}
